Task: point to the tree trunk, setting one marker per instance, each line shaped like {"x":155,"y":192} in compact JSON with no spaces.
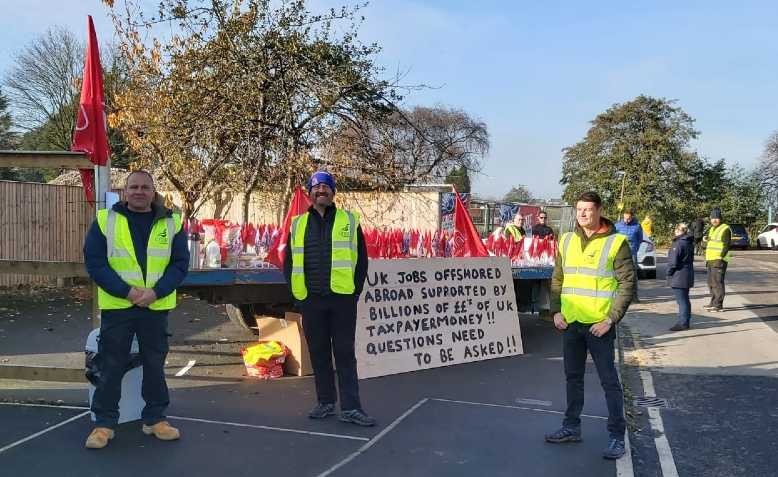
{"x":245,"y":206}
{"x":286,"y":197}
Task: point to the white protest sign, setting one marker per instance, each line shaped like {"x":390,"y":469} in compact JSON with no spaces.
{"x":424,"y":313}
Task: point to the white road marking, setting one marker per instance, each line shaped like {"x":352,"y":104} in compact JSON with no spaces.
{"x":666,"y":461}
{"x":624,"y":465}
{"x":648,"y":384}
{"x":269,"y":428}
{"x":372,"y":441}
{"x":504,"y":406}
{"x":40,"y":433}
{"x":24,"y":404}
{"x":208,"y":421}
{"x":186,"y":368}
{"x":533,"y":402}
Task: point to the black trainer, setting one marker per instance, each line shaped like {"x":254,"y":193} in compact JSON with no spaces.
{"x":358,"y":417}
{"x":322,"y":410}
{"x":679,"y":327}
{"x":563,"y":434}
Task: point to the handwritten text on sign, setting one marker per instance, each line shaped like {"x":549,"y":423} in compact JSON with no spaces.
{"x":424,"y":313}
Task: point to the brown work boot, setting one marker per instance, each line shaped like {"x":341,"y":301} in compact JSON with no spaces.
{"x":99,"y":438}
{"x":162,"y":431}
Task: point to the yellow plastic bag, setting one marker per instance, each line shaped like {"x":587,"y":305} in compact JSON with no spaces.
{"x":265,"y":359}
{"x":264,"y":352}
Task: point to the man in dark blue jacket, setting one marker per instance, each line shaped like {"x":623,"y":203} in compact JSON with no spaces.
{"x":137,"y":255}
{"x":630,"y":227}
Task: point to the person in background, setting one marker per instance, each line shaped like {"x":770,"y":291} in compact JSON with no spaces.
{"x":717,"y":258}
{"x":698,"y":232}
{"x":648,"y":226}
{"x":591,"y":289}
{"x":541,"y":229}
{"x":137,"y":255}
{"x":326,"y":266}
{"x":515,"y":231}
{"x":680,"y":274}
{"x":629,"y":226}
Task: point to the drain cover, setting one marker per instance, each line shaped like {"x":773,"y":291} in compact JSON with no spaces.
{"x":645,"y":401}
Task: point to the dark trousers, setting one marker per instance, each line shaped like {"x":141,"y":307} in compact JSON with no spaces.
{"x":684,"y":306}
{"x":577,"y":340}
{"x":717,"y":271}
{"x":330,"y":324}
{"x":117,"y":327}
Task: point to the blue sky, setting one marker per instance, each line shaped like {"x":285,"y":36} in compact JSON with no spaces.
{"x":538,"y":72}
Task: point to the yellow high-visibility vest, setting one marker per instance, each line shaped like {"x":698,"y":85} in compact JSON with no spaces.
{"x":344,"y":253}
{"x":121,"y":257}
{"x":514,"y":232}
{"x":589,"y":286}
{"x":715,"y":244}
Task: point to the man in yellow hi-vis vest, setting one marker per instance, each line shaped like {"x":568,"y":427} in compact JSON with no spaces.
{"x":716,"y":259}
{"x":326,"y":266}
{"x":591,"y":289}
{"x":515,"y":230}
{"x":137,"y":254}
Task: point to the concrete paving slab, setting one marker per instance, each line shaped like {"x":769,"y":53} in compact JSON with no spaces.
{"x":455,"y":439}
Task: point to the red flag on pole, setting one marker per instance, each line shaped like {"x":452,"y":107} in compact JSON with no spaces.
{"x":91,"y":135}
{"x":467,"y":241}
{"x":299,"y":205}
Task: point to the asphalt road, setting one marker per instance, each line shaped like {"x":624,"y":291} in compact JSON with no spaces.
{"x":486,"y":418}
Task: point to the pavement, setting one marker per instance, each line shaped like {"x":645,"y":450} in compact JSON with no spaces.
{"x":707,"y":412}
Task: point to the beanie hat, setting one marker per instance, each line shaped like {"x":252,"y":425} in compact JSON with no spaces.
{"x":715,"y":213}
{"x":321,"y":177}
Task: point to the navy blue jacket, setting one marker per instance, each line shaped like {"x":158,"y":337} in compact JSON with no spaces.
{"x":634,"y":233}
{"x":680,"y":262}
{"x":96,"y":256}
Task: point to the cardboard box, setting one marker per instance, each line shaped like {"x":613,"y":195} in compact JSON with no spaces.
{"x":289,"y":331}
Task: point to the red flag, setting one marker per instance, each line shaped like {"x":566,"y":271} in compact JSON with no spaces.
{"x":299,"y":205}
{"x":91,"y":135}
{"x":467,"y":241}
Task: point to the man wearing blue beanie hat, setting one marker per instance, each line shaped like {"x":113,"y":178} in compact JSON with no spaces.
{"x":326,"y":267}
{"x":321,"y":177}
{"x":717,"y":258}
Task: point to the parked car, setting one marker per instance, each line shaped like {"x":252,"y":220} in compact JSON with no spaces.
{"x":739,"y":237}
{"x":646,"y":259}
{"x":768,"y":237}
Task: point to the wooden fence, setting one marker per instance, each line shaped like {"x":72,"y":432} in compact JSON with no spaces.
{"x":41,"y":222}
{"x":49,"y":221}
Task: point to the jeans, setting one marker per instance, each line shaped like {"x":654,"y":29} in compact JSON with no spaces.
{"x":577,"y":340}
{"x":684,"y":306}
{"x":117,"y":327}
{"x":330,"y":324}
{"x":637,"y":277}
{"x":716,"y":277}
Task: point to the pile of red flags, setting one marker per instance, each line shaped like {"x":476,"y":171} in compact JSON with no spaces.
{"x":462,"y":241}
{"x":528,"y":252}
